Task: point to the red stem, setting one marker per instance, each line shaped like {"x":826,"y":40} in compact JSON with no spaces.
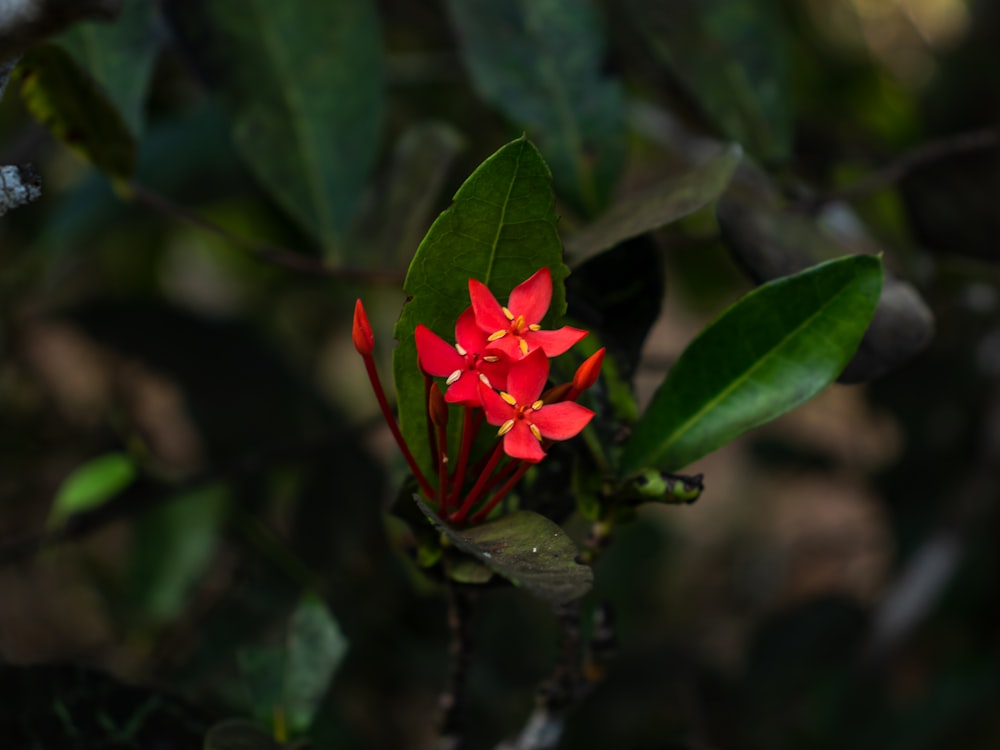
{"x":468,"y":432}
{"x":390,"y":420}
{"x":507,"y":487}
{"x":477,"y":490}
{"x":442,"y":451}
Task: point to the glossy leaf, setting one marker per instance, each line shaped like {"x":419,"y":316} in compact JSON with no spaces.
{"x":302,"y":83}
{"x":527,"y":549}
{"x":119,"y":56}
{"x":769,"y":352}
{"x":731,"y":57}
{"x":91,"y":485}
{"x":75,"y":109}
{"x":316,"y":646}
{"x":540,"y":63}
{"x":500,"y":230}
{"x":662,"y":204}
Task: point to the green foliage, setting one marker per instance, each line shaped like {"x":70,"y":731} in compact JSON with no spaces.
{"x":302,"y":83}
{"x":500,"y":229}
{"x":91,"y":485}
{"x":71,"y":105}
{"x":540,"y":64}
{"x":119,"y":56}
{"x":766,"y":354}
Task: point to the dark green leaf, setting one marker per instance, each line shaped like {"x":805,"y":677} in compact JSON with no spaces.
{"x":119,"y":56}
{"x":540,"y":64}
{"x":769,"y":352}
{"x":731,"y":56}
{"x":527,"y":549}
{"x":92,"y":484}
{"x":302,"y":83}
{"x":73,"y":107}
{"x":668,"y":201}
{"x":316,"y":647}
{"x":500,"y":230}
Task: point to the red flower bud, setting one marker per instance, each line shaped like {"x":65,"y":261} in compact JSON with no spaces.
{"x":361,"y":334}
{"x":586,"y":374}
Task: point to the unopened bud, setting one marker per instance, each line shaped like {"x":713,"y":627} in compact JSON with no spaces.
{"x":586,"y":374}
{"x":361,"y":333}
{"x":437,"y":407}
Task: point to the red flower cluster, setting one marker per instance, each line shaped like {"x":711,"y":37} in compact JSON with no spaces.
{"x":499,"y":364}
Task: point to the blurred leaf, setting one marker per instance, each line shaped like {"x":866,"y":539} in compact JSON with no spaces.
{"x":772,"y":350}
{"x":540,"y":64}
{"x":91,"y":485}
{"x":316,"y":647}
{"x":119,"y":56}
{"x":75,"y":110}
{"x":237,"y":734}
{"x":527,"y":549}
{"x":302,"y":83}
{"x":662,"y":204}
{"x":172,"y":547}
{"x":731,"y":56}
{"x":771,"y":240}
{"x":501,"y":229}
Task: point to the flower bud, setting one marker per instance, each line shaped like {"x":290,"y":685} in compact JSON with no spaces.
{"x":586,"y":373}
{"x":361,"y":333}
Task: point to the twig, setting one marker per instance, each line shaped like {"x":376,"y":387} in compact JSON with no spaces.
{"x":260,"y":251}
{"x":921,"y":156}
{"x":452,"y":701}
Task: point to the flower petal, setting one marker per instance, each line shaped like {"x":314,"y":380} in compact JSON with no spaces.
{"x":465,"y":390}
{"x":526,"y":377}
{"x":554,"y":343}
{"x":497,"y":410}
{"x":468,"y":334}
{"x":520,"y":443}
{"x":561,"y":421}
{"x":435,"y":355}
{"x":531,"y":298}
{"x":489,"y":314}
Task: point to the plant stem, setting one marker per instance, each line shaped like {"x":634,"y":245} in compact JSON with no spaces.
{"x":507,"y":487}
{"x":477,"y":490}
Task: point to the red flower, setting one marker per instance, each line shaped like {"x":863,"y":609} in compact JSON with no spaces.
{"x":525,"y":420}
{"x":463,"y":364}
{"x":515,"y":330}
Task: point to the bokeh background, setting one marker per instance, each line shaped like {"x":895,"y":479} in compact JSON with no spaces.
{"x":835,"y":585}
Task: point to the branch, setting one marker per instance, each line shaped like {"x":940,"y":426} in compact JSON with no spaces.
{"x":260,"y":251}
{"x":452,"y":701}
{"x":25,"y":22}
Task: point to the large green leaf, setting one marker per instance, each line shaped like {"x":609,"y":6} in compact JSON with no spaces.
{"x":769,"y":352}
{"x":119,"y":56}
{"x":500,"y":230}
{"x":316,"y":647}
{"x":302,"y":82}
{"x":540,"y":64}
{"x":665,"y":202}
{"x":71,"y":105}
{"x":527,"y":549}
{"x":731,"y":56}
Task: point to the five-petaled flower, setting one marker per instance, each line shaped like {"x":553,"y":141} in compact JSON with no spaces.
{"x":465,"y":363}
{"x":516,"y":329}
{"x":524,"y":419}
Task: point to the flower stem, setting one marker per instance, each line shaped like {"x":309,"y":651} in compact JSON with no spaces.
{"x":390,"y":420}
{"x":477,"y":490}
{"x":468,"y":432}
{"x":502,"y":492}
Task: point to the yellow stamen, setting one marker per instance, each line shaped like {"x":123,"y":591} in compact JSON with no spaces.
{"x":491,"y":358}
{"x":524,"y":346}
{"x":534,"y":327}
{"x":460,"y":349}
{"x":519,"y":323}
{"x":505,"y":428}
{"x":497,"y":335}
{"x":508,"y":398}
{"x":535,"y":431}
{"x":453,"y":378}
{"x":485,"y":380}
{"x":538,"y":405}
{"x":508,"y":313}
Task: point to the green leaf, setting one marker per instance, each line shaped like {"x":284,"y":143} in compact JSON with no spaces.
{"x":238,"y":734}
{"x":668,"y":201}
{"x":527,"y":549}
{"x":173,"y":545}
{"x":316,"y":647}
{"x":731,"y":56}
{"x":91,"y":485}
{"x":500,"y":230}
{"x":303,"y":85}
{"x":540,"y":64}
{"x":775,"y":348}
{"x":75,"y":110}
{"x":119,"y":56}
